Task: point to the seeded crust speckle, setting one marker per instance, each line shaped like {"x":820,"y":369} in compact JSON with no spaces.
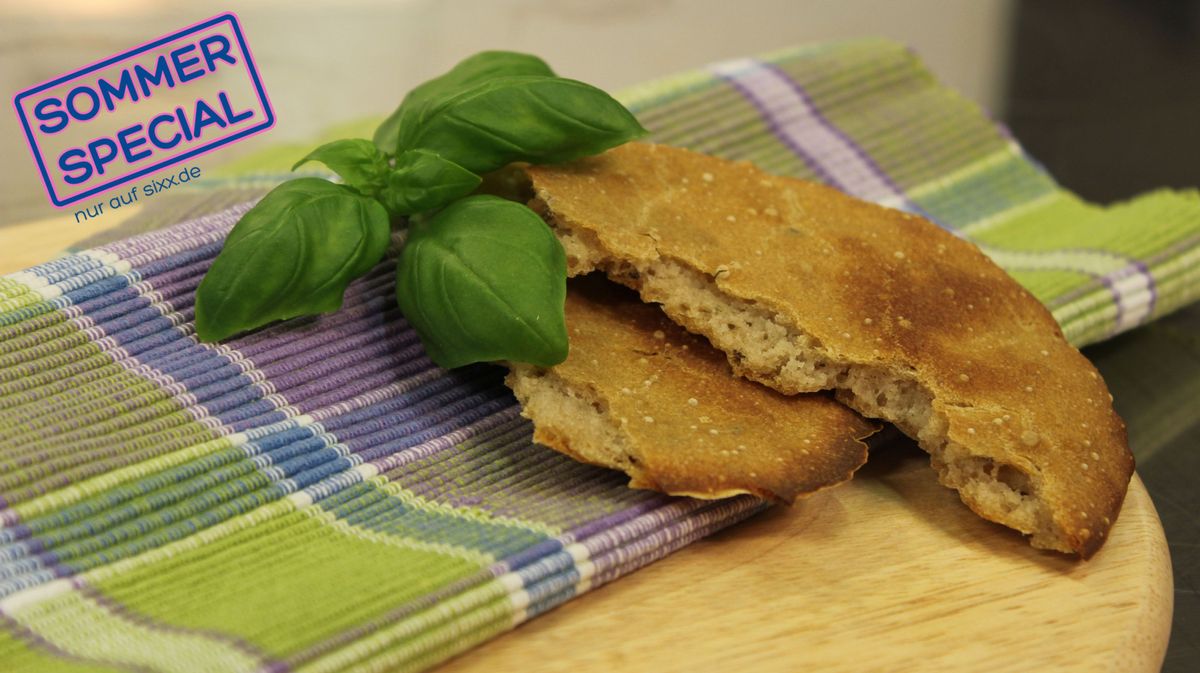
{"x":809,"y":289}
{"x":637,"y":393}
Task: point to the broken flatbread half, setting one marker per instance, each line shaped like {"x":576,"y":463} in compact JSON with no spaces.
{"x":637,"y":393}
{"x":805,"y":288}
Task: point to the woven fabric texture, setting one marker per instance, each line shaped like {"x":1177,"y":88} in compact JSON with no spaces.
{"x":319,"y":496}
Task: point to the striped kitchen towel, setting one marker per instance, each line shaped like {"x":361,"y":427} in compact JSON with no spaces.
{"x":318,"y":496}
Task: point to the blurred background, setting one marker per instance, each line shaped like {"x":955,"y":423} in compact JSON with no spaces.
{"x":1104,"y":93}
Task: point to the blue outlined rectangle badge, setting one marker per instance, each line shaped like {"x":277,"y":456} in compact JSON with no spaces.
{"x":129,"y":115}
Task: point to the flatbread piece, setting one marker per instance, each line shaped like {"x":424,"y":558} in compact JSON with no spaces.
{"x":637,"y":393}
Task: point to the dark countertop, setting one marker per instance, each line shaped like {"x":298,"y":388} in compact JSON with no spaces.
{"x":1153,"y":373}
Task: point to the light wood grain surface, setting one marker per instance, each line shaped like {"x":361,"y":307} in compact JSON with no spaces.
{"x":887,"y":573}
{"x":25,"y":244}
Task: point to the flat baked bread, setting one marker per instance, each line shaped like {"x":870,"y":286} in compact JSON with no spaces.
{"x":805,"y":288}
{"x":639,"y":394}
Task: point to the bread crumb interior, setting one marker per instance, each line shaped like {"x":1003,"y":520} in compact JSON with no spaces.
{"x":766,"y":348}
{"x":594,"y":438}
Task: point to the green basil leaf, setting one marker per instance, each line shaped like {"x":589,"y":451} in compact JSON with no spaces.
{"x":356,"y":160}
{"x":423,"y":181}
{"x":292,"y":254}
{"x":485,"y":280}
{"x":521,"y":118}
{"x":470,"y":71}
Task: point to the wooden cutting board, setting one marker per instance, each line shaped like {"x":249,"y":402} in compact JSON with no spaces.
{"x":887,"y":573}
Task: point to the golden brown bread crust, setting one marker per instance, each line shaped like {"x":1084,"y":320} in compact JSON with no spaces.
{"x":639,"y":394}
{"x":806,"y":288}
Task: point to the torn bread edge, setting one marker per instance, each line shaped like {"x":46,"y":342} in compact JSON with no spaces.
{"x":993,"y":490}
{"x":573,"y":421}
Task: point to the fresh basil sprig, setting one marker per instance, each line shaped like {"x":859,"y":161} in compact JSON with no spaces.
{"x":479,"y":278}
